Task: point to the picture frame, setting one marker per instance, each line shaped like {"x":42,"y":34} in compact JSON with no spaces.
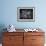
{"x":26,"y":14}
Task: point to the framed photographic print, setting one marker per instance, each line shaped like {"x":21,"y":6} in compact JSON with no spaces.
{"x":26,"y":14}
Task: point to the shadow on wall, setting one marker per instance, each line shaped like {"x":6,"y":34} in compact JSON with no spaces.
{"x":2,"y":26}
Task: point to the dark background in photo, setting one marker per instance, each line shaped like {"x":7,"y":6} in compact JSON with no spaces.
{"x":26,"y":13}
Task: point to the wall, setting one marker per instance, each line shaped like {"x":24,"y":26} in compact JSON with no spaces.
{"x":9,"y":13}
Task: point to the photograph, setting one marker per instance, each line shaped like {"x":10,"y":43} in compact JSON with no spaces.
{"x":25,"y":14}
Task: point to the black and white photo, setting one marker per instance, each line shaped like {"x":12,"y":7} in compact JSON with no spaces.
{"x":25,"y":14}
